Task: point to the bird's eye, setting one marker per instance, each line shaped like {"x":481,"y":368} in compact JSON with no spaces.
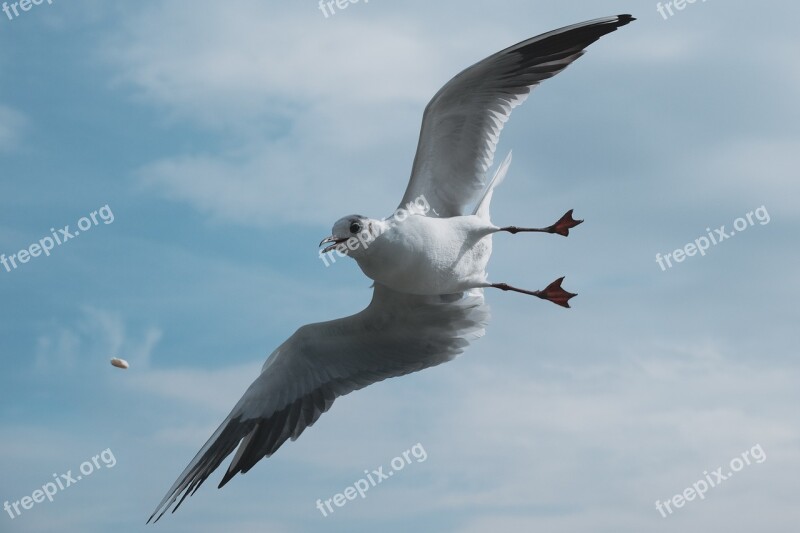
{"x":355,"y":227}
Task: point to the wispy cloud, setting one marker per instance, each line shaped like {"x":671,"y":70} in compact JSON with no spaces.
{"x":13,"y":126}
{"x":293,"y":116}
{"x":94,"y":335}
{"x":244,"y":71}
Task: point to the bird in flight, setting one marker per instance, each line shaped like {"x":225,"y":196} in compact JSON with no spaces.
{"x":427,"y":261}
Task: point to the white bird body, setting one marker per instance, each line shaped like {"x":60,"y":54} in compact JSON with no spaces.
{"x":425,"y":255}
{"x":419,"y":254}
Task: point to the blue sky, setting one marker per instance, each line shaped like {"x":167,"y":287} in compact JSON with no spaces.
{"x":226,"y":138}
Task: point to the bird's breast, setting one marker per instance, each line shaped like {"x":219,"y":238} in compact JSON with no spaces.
{"x":428,"y":256}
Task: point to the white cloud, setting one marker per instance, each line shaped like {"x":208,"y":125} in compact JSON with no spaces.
{"x":571,"y":447}
{"x":756,"y":172}
{"x":95,"y":336}
{"x":12,"y":128}
{"x":199,"y":389}
{"x":253,"y":63}
{"x":303,"y":105}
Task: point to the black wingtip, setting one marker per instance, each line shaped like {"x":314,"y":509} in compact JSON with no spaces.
{"x":227,"y":477}
{"x":625,"y":19}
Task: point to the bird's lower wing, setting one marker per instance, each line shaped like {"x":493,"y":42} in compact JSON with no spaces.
{"x":395,"y":335}
{"x":462,"y":123}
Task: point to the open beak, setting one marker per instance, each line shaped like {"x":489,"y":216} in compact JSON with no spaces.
{"x":335,"y":240}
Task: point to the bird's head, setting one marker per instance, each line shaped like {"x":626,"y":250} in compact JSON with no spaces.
{"x":352,"y":235}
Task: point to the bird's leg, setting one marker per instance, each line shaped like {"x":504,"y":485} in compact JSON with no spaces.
{"x":552,"y":292}
{"x":561,"y":227}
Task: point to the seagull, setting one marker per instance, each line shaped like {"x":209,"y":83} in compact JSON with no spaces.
{"x":427,"y":262}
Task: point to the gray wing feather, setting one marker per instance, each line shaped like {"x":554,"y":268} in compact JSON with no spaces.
{"x":462,"y":123}
{"x":395,"y":335}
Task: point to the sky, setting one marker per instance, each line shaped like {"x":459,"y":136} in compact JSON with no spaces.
{"x":215,"y":144}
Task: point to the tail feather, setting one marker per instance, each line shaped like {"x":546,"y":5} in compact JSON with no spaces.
{"x":482,"y":207}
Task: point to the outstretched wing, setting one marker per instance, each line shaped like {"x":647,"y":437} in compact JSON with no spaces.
{"x":395,"y":335}
{"x":462,"y":122}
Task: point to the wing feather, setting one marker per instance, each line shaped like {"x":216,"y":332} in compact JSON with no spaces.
{"x":395,"y":335}
{"x":462,"y":123}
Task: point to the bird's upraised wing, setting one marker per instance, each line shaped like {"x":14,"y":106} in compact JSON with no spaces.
{"x":462,"y":122}
{"x":395,"y":335}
